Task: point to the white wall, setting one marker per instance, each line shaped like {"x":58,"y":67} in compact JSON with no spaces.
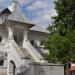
{"x":45,"y":69}
{"x":15,"y":56}
{"x":37,"y":36}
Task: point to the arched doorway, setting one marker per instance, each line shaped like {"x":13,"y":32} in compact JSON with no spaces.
{"x":12,"y":68}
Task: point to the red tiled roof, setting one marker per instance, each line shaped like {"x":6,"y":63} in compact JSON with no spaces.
{"x":72,"y":68}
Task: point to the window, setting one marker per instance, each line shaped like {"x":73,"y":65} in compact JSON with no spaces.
{"x":32,"y":42}
{"x":42,"y":44}
{"x":12,"y":68}
{"x":15,"y":38}
{"x":0,"y":39}
{"x":1,"y":62}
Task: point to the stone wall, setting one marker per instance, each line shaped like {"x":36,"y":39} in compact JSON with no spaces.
{"x":45,"y":69}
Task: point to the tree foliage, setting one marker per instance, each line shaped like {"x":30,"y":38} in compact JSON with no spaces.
{"x":61,"y":40}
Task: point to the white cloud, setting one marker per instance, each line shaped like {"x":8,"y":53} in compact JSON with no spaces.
{"x":21,"y":1}
{"x":44,"y":15}
{"x":37,"y":5}
{"x":40,"y":10}
{"x":47,"y":15}
{"x":53,"y":12}
{"x":2,"y":0}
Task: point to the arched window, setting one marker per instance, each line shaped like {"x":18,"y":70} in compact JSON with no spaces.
{"x":12,"y":68}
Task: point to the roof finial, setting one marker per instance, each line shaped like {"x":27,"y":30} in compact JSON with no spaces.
{"x":14,"y":5}
{"x":15,"y":2}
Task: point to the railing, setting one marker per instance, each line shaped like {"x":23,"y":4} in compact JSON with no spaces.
{"x":33,"y":52}
{"x":17,"y":48}
{"x":13,"y":43}
{"x":3,"y":71}
{"x":38,"y":49}
{"x":41,"y":49}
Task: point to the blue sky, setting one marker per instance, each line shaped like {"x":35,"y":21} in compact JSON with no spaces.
{"x":36,"y":11}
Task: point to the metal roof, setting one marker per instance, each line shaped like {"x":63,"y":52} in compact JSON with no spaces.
{"x":39,"y":28}
{"x":17,"y":15}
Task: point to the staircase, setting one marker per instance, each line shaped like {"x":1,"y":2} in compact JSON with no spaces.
{"x":33,"y":52}
{"x":17,"y":56}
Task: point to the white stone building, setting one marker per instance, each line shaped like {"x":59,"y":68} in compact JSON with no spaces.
{"x":20,"y":41}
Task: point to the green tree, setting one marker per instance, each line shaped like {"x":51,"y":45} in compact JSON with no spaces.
{"x":61,"y":40}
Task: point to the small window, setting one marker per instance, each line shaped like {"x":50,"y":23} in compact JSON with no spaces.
{"x":15,"y":38}
{"x":1,"y":62}
{"x":41,"y":43}
{"x":0,"y":39}
{"x":32,"y":42}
